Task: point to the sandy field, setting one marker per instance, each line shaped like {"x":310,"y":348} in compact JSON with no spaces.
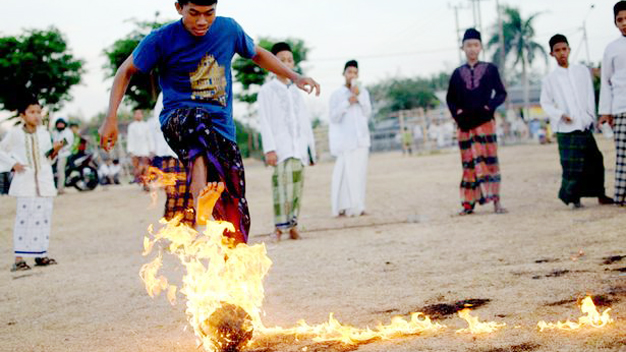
{"x":409,"y":254}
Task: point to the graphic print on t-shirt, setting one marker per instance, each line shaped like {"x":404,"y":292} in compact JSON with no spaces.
{"x":208,"y":82}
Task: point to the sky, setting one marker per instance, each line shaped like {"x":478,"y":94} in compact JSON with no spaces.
{"x":391,"y":38}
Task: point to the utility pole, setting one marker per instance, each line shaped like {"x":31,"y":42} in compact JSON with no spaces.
{"x":456,"y":9}
{"x":502,"y":49}
{"x":585,"y":33}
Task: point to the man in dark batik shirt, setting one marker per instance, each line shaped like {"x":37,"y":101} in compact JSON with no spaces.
{"x":475,"y":92}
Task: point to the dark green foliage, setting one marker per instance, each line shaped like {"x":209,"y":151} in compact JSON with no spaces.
{"x":407,"y":93}
{"x":143,"y":89}
{"x":38,"y":63}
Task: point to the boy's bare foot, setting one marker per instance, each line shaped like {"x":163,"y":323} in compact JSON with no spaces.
{"x":604,"y":200}
{"x":499,"y":209}
{"x":275,"y":236}
{"x":206,"y":202}
{"x":294,"y":234}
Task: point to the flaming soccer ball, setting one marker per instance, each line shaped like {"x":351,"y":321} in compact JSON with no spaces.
{"x":230,"y":328}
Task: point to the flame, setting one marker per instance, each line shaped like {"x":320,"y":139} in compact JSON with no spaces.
{"x":475,"y":326}
{"x":592,"y":318}
{"x":157,"y":179}
{"x":225,"y":282}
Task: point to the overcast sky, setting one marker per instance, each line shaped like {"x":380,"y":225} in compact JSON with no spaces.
{"x":401,"y":38}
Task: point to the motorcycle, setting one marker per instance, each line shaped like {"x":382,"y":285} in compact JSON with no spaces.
{"x":81,"y":173}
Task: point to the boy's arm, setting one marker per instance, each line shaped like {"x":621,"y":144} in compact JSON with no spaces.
{"x":606,"y":92}
{"x":268,"y":61}
{"x":548,"y":105}
{"x":108,"y":131}
{"x":500,"y":96}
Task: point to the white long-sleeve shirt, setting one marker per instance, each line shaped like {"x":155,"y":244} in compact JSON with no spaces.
{"x":285,"y":122}
{"x":349,"y":127}
{"x":613,"y":90}
{"x":139,"y":141}
{"x":158,"y":145}
{"x":28,"y":149}
{"x":569,"y":91}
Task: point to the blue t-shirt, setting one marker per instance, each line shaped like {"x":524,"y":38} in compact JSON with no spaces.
{"x":195,"y":71}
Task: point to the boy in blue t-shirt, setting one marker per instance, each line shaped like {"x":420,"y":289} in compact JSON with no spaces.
{"x":194,"y":59}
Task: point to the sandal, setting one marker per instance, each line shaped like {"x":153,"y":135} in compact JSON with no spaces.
{"x":20,"y":266}
{"x":45,"y":261}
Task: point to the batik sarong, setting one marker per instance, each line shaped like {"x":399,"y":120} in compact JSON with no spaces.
{"x":287,"y":185}
{"x":619,"y":130}
{"x":33,"y":220}
{"x":175,"y":203}
{"x":190,"y":134}
{"x":481,"y":171}
{"x":583,"y":166}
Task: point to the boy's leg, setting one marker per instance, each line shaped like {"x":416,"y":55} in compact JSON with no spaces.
{"x":279,"y":193}
{"x":620,"y":163}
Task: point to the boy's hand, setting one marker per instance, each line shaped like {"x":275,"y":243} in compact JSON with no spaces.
{"x":19,"y":168}
{"x":355,"y":90}
{"x":271,"y":159}
{"x":566,"y":118}
{"x":108,"y":134}
{"x":56,"y":146}
{"x":308,"y":85}
{"x":353,"y":100}
{"x":606,"y":119}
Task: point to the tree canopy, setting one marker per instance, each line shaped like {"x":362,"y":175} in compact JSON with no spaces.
{"x":143,"y":89}
{"x":40,"y":63}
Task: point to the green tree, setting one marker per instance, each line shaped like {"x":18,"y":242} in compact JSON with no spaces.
{"x":37,"y":62}
{"x":407,"y":93}
{"x":252,"y":76}
{"x":143,"y":89}
{"x":519,"y":43}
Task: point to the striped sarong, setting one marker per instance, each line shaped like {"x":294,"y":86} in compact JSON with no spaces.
{"x":619,"y":130}
{"x":189,"y":132}
{"x":583,"y":166}
{"x":175,"y":203}
{"x":481,"y":171}
{"x":287,"y":186}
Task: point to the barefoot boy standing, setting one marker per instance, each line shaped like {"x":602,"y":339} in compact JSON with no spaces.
{"x":288,"y":143}
{"x":567,"y":96}
{"x":613,"y":98}
{"x":194,"y":58}
{"x":475,"y":92}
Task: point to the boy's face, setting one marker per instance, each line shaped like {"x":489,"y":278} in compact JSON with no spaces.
{"x":351,"y":73}
{"x":472,"y":49}
{"x":561,"y":52}
{"x":32,"y":115}
{"x":138,"y":115}
{"x":74,"y":129}
{"x":197,"y":19}
{"x":286,"y":57}
{"x":620,"y":22}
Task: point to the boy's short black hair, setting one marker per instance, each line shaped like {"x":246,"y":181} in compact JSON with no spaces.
{"x":74,"y":124}
{"x":197,"y":2}
{"x":620,"y":6}
{"x":281,"y":46}
{"x":25,"y":101}
{"x":351,"y":63}
{"x":556,"y":39}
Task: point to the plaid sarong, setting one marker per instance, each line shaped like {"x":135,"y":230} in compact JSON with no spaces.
{"x":287,"y":185}
{"x":583,"y":166}
{"x":189,"y":132}
{"x":175,"y":203}
{"x":619,"y":130}
{"x":481,"y":171}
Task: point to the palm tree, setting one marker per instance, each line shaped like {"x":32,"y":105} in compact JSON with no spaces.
{"x":518,"y":42}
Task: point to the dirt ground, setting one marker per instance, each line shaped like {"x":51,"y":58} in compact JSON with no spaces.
{"x":408,"y":254}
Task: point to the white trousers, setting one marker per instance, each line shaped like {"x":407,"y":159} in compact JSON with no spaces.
{"x":31,"y":234}
{"x":349,"y":182}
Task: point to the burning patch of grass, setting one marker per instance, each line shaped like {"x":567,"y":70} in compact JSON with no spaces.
{"x":525,"y":347}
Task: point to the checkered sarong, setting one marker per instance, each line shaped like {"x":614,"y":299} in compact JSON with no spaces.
{"x":583,"y":166}
{"x":619,"y":130}
{"x":175,"y":204}
{"x":481,"y":170}
{"x":287,"y":185}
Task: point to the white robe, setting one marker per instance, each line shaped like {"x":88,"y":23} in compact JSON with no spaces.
{"x":29,"y":150}
{"x":139,"y":141}
{"x":613,"y":89}
{"x":569,"y":91}
{"x":158,"y":144}
{"x":285,"y":122}
{"x":350,"y":142}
